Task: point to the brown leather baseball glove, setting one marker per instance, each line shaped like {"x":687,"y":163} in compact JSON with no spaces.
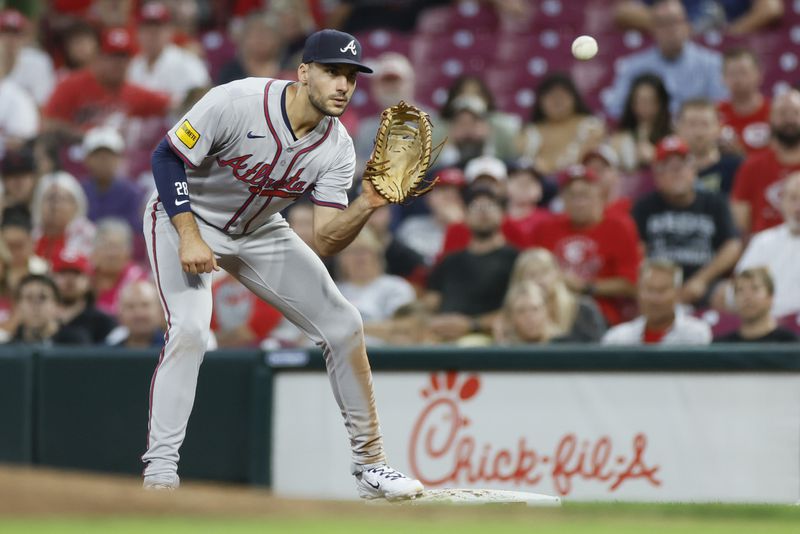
{"x":402,"y":154}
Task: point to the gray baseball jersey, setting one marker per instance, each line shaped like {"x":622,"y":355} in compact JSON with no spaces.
{"x":244,"y":163}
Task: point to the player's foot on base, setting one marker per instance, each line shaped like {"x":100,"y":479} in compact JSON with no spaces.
{"x":379,"y":481}
{"x":160,"y":484}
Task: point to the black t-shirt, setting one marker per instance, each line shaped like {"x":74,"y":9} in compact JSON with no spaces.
{"x":66,"y":335}
{"x":402,"y":260}
{"x":718,"y":178}
{"x":473,"y":284}
{"x":95,"y":323}
{"x":779,"y":335}
{"x":691,"y":235}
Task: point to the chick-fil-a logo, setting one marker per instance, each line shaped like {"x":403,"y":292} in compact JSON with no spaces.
{"x":442,"y":450}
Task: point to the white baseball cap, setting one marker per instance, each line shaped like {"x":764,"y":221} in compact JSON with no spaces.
{"x":103,"y":137}
{"x":393,"y":65}
{"x":485,"y":166}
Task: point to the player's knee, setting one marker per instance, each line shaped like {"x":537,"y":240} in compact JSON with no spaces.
{"x":348,"y":328}
{"x":192,"y":337}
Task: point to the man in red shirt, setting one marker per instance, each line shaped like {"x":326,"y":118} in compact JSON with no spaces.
{"x":755,"y":199}
{"x":745,"y":117}
{"x":598,"y":254}
{"x":100,"y":95}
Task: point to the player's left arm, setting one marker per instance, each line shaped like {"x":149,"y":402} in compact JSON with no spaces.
{"x":336,"y":228}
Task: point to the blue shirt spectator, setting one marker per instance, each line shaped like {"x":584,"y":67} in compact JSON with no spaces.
{"x":689,"y":70}
{"x":109,"y":195}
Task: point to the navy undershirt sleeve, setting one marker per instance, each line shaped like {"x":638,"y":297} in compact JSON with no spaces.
{"x":170,"y":178}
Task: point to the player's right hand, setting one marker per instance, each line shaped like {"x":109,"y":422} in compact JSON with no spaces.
{"x":196,"y":256}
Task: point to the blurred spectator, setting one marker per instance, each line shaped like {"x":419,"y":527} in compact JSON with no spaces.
{"x":698,"y":125}
{"x":19,"y":177}
{"x":690,"y":227}
{"x":392,"y":81}
{"x":19,"y":118}
{"x":140,"y":318}
{"x":78,"y":311}
{"x":80,"y":46}
{"x":37,"y":309}
{"x":488,"y":172}
{"x":59,"y":217}
{"x":113,"y":266}
{"x":99,"y":95}
{"x":753,"y":291}
{"x":296,"y":20}
{"x":28,"y":67}
{"x":112,"y":13}
{"x":688,"y":69}
{"x":425,"y":233}
{"x":645,"y":121}
{"x":778,"y":249}
{"x":736,"y":17}
{"x":577,"y":317}
{"x":354,"y":16}
{"x":757,"y":187}
{"x":161,"y":65}
{"x":524,"y":318}
{"x":524,"y":193}
{"x":469,"y":133}
{"x":515,"y":15}
{"x":597,"y":253}
{"x":109,"y":194}
{"x":466,"y":288}
{"x":239,"y":318}
{"x":400,"y":260}
{"x":16,"y":232}
{"x":615,"y":189}
{"x":562,"y":126}
{"x":503,"y":127}
{"x":661,"y":322}
{"x":491,"y":173}
{"x":746,"y":115}
{"x":259,"y":51}
{"x":363,"y":281}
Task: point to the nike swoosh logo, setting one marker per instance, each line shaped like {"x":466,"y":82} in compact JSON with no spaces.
{"x":179,"y":202}
{"x":376,"y":486}
{"x":250,"y":135}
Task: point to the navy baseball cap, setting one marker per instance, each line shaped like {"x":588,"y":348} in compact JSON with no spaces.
{"x":333,"y":46}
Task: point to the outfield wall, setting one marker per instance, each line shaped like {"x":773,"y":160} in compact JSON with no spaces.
{"x":699,"y":424}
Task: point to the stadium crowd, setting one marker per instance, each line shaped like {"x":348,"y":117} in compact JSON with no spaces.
{"x":668,"y":213}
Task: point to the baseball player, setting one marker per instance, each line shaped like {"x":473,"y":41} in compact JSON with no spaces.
{"x":223,"y":173}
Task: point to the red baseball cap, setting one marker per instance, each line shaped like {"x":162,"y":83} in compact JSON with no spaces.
{"x":670,"y":146}
{"x":576,"y":172}
{"x":118,"y":41}
{"x":154,"y":13}
{"x":452,"y":176}
{"x":79,"y":264}
{"x":12,"y":20}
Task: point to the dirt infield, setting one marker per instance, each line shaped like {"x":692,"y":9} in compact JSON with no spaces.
{"x":40,"y":492}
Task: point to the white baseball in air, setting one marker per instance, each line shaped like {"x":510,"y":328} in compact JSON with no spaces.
{"x":584,"y":47}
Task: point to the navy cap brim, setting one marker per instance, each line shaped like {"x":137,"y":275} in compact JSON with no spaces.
{"x":361,"y":67}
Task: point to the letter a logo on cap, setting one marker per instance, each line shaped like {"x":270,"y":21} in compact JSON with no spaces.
{"x":351,"y":46}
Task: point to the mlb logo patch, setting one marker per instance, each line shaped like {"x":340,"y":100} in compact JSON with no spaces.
{"x":187,"y":134}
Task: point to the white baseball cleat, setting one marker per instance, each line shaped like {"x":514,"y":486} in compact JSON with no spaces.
{"x":379,"y":481}
{"x":160,"y":484}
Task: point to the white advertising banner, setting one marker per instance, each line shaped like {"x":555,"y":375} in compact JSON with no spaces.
{"x":582,"y":436}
